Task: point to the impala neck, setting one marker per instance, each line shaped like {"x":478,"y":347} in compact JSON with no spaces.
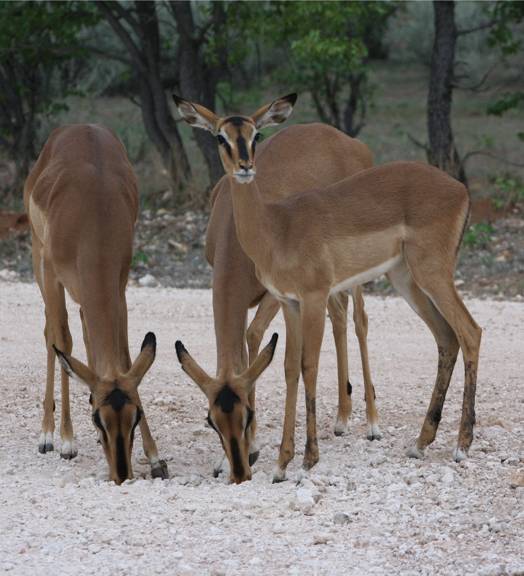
{"x":252,"y":221}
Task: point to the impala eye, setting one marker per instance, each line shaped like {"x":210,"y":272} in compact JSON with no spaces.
{"x":221,"y":139}
{"x":257,"y":137}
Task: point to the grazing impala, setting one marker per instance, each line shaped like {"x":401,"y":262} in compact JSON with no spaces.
{"x":288,"y":164}
{"x":82,"y":201}
{"x":403,"y":219}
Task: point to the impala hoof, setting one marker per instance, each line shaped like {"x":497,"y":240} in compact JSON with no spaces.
{"x":374,"y":432}
{"x":459,"y":454}
{"x":253,"y":457}
{"x":415,"y":452}
{"x":45,"y":443}
{"x":159,"y":470}
{"x":68,"y":450}
{"x":279,"y":475}
{"x":341,"y":428}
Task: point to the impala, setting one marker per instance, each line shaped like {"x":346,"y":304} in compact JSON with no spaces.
{"x":403,"y":219}
{"x":288,"y":165}
{"x":82,"y":201}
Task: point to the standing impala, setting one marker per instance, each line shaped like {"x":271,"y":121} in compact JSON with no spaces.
{"x":82,"y":201}
{"x":288,"y":165}
{"x":403,"y":219}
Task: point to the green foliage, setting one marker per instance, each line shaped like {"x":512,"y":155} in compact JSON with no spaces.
{"x":509,"y":101}
{"x":505,"y":15}
{"x":478,"y":235}
{"x":139,"y":257}
{"x":509,"y":190}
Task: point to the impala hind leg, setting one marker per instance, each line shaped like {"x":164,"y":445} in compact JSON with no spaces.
{"x":447,"y":345}
{"x":338,"y":312}
{"x":266,"y":311}
{"x":361,"y":329}
{"x":442,"y":292}
{"x":292,"y":372}
{"x":313,"y":318}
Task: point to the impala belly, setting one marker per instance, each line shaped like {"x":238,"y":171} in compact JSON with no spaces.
{"x":367,"y":275}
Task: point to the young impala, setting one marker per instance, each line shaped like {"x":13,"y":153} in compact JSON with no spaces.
{"x":82,"y":201}
{"x":403,"y":219}
{"x":287,"y":165}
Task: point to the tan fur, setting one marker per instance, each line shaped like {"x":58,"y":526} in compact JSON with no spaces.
{"x":293,"y":160}
{"x":82,"y":200}
{"x":405,"y":219}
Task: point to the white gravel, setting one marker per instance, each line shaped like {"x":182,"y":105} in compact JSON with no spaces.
{"x":364,"y":509}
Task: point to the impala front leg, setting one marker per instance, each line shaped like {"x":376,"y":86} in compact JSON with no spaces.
{"x":292,"y":371}
{"x":158,"y":467}
{"x":313,"y":316}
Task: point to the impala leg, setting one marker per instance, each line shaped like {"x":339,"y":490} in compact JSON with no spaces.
{"x":292,"y":372}
{"x":338,"y":311}
{"x":266,"y":311}
{"x":361,"y":329}
{"x":313,"y":319}
{"x":447,"y":345}
{"x":442,"y":292}
{"x":57,"y":333}
{"x":45,"y":443}
{"x":158,"y":467}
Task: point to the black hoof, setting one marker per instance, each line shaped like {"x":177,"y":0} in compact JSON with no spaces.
{"x":44,"y":448}
{"x":254,"y":457}
{"x":68,"y":456}
{"x":160,"y":470}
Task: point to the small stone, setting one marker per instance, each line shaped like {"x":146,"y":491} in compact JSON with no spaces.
{"x":148,"y":280}
{"x":341,"y":518}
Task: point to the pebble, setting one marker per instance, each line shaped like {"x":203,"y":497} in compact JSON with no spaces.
{"x":148,"y":281}
{"x":341,"y":518}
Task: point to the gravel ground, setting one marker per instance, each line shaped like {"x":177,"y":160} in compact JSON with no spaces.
{"x":364,"y":509}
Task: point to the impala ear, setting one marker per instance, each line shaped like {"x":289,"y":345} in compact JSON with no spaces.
{"x":75,"y":369}
{"x":144,"y":360}
{"x":275,"y":113}
{"x":261,"y":362}
{"x":193,"y":370}
{"x":196,"y":115}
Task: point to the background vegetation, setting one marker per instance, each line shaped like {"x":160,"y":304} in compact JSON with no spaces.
{"x":439,"y":82}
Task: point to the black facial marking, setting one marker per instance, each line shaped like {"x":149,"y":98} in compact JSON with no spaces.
{"x":238,"y":467}
{"x":91,"y":399}
{"x":350,"y":388}
{"x":121,"y":461}
{"x":98,"y":424}
{"x":242,"y":148}
{"x":235,"y":120}
{"x":210,"y":422}
{"x":117,"y":399}
{"x":226,"y":399}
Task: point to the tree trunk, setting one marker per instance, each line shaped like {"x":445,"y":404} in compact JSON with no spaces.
{"x":351,"y":126}
{"x":143,"y":47}
{"x":197,"y":80}
{"x":442,"y":152}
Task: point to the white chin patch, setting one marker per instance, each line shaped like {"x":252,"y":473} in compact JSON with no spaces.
{"x":244,"y":178}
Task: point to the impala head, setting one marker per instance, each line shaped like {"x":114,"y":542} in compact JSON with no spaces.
{"x":237,"y":135}
{"x":115,"y":405}
{"x":230,"y":413}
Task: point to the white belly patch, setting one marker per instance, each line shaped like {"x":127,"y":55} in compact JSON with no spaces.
{"x":366,"y":276}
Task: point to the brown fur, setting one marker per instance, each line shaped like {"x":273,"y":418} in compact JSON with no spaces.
{"x":82,"y":201}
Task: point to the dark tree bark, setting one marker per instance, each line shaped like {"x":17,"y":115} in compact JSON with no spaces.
{"x":441,"y":151}
{"x":197,"y":80}
{"x":141,"y":40}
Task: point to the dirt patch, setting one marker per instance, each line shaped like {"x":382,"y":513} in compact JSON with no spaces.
{"x":364,"y":509}
{"x":169,"y":251}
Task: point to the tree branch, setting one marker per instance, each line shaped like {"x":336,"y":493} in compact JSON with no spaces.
{"x":489,"y":155}
{"x":417,"y":143}
{"x":109,"y":55}
{"x":465,"y":31}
